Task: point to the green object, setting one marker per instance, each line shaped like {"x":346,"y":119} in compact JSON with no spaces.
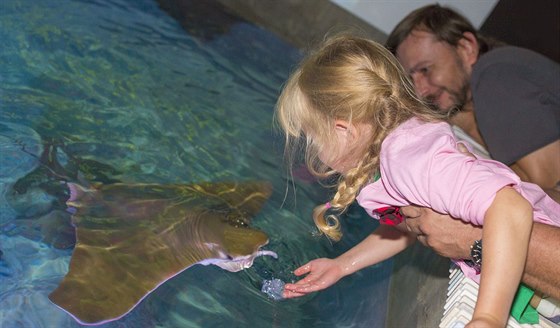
{"x":377,"y":176}
{"x":521,"y":310}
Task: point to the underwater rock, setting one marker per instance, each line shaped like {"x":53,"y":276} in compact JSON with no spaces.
{"x":53,"y":229}
{"x":33,"y":203}
{"x":20,"y":147}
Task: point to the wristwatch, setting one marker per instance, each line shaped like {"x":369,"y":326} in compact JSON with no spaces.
{"x":476,"y":255}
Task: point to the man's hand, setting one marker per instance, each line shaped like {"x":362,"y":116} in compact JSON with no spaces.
{"x":447,"y":236}
{"x":541,"y":167}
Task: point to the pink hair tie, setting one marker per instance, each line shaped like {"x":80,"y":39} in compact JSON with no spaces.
{"x":328,"y":205}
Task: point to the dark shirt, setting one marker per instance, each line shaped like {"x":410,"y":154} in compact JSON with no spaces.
{"x":516,"y":95}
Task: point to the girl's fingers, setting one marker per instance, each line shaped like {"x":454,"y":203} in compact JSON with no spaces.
{"x":291,"y":294}
{"x":302,"y":269}
{"x":295,"y":290}
{"x":290,"y":286}
{"x":297,"y":286}
{"x":303,"y":288}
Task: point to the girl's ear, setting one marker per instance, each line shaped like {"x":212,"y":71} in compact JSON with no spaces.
{"x":349,"y":130}
{"x":341,"y":125}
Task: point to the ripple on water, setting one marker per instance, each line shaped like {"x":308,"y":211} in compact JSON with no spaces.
{"x":21,"y":148}
{"x":33,"y":271}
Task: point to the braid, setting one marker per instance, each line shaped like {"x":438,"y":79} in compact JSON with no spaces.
{"x":348,"y":189}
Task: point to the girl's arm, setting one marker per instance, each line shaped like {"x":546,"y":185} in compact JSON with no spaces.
{"x":382,"y":244}
{"x":507,"y":227}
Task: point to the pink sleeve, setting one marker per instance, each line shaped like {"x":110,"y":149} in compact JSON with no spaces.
{"x":421,"y":163}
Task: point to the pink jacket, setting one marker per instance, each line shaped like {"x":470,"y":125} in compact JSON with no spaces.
{"x":421,"y":165}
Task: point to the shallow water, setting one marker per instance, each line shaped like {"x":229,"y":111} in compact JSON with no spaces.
{"x":118,"y":91}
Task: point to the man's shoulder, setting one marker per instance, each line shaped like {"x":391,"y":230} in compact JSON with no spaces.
{"x":515,"y":69}
{"x":509,"y":57}
{"x":506,"y":52}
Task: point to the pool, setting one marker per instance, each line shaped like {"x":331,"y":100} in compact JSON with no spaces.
{"x":114,"y":91}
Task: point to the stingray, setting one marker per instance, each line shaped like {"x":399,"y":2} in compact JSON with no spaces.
{"x":131,"y":238}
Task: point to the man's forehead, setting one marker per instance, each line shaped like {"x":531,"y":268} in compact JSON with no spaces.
{"x":421,"y":35}
{"x":418,"y":47}
{"x":413,"y":48}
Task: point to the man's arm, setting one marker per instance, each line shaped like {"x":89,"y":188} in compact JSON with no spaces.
{"x":541,"y":167}
{"x":452,"y":238}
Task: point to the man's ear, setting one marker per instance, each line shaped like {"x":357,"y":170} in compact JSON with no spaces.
{"x":468,"y":48}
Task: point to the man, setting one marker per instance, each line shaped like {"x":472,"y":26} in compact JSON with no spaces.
{"x":505,"y":98}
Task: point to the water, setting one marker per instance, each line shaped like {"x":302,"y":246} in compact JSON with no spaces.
{"x":117,"y":90}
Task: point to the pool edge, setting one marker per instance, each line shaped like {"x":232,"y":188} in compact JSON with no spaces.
{"x":417,"y":288}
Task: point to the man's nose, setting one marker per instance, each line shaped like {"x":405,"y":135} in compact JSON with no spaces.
{"x":421,"y":85}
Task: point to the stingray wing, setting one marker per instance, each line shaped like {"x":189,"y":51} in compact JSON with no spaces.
{"x":132,"y":238}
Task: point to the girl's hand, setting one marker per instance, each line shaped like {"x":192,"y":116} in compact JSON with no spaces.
{"x":322,"y":273}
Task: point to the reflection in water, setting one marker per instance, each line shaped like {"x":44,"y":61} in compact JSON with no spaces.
{"x":116,"y":91}
{"x":204,"y":20}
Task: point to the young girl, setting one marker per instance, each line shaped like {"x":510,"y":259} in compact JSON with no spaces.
{"x":356,"y":109}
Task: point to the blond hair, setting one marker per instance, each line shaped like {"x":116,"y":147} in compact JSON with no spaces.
{"x":352,"y":79}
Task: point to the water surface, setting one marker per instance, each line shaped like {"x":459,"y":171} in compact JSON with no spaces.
{"x":119,"y":91}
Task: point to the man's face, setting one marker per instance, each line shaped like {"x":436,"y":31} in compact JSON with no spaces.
{"x":440,"y":75}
